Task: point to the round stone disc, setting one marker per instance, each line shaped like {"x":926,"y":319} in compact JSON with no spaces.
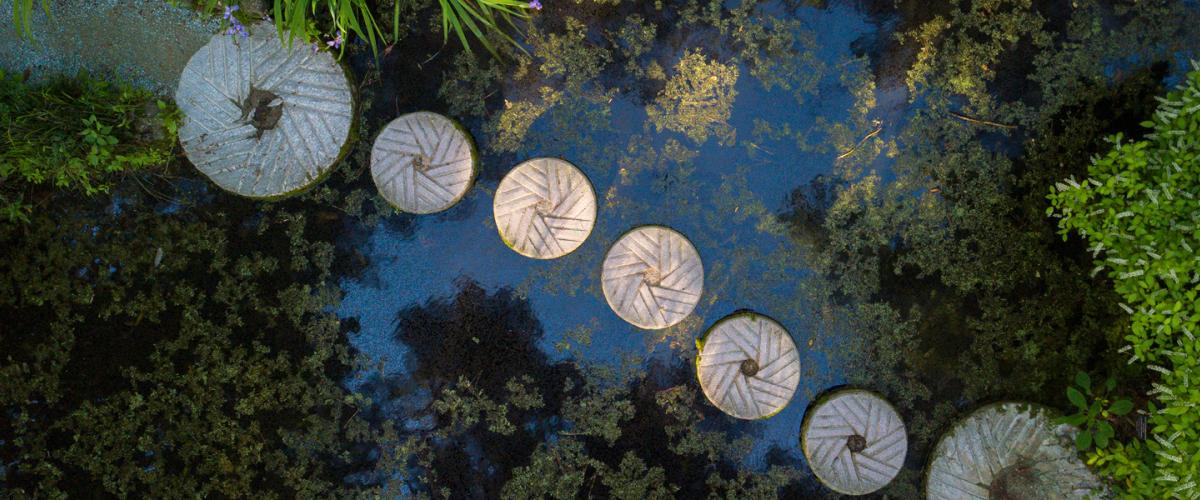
{"x":423,"y":163}
{"x":1009,"y":450}
{"x":854,"y":441}
{"x":262,"y":120}
{"x":748,"y":366}
{"x":652,"y":277}
{"x":545,"y":208}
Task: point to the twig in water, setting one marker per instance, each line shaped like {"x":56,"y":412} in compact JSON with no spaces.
{"x":864,"y":140}
{"x":978,"y":121}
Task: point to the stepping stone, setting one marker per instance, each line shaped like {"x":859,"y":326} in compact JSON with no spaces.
{"x":262,"y":120}
{"x":748,"y":366}
{"x":1009,"y":450}
{"x":854,"y":441}
{"x":423,"y":163}
{"x":652,"y":277}
{"x":545,"y":208}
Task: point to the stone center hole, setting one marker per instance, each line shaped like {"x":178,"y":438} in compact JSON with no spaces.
{"x":856,"y":443}
{"x":263,"y":108}
{"x":749,"y":367}
{"x":652,"y":276}
{"x":543,"y":207}
{"x":421,"y":163}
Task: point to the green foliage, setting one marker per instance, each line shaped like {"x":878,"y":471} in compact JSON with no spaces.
{"x":698,"y":99}
{"x":76,"y":135}
{"x":1138,"y":209}
{"x":481,"y":18}
{"x":312,"y":20}
{"x":147,"y":354}
{"x":1092,"y":418}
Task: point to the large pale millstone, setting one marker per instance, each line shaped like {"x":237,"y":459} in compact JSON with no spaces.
{"x":652,"y":277}
{"x":260,"y":119}
{"x":423,"y":163}
{"x":854,"y":441}
{"x":545,"y":208}
{"x":1011,"y":451}
{"x":748,"y":366}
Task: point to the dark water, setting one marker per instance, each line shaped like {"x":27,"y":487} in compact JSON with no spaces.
{"x":725,"y":200}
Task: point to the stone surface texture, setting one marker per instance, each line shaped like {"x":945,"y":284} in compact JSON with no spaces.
{"x":652,"y":277}
{"x":854,"y":441}
{"x":423,"y":163}
{"x":262,"y":120}
{"x":748,"y":366}
{"x":1010,"y":450}
{"x":545,"y":208}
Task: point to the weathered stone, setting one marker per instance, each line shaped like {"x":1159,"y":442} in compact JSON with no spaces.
{"x":1010,"y":451}
{"x":423,"y":163}
{"x":545,"y":208}
{"x":748,"y":366}
{"x":854,"y":441}
{"x":260,"y":119}
{"x":652,"y":277}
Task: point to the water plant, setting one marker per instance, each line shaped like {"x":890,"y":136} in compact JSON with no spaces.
{"x":75,"y":135}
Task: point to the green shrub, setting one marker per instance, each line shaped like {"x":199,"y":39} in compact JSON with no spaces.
{"x":75,"y":135}
{"x":1139,"y":211}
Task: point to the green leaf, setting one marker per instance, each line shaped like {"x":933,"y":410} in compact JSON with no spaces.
{"x":1121,"y":407}
{"x":1083,"y":380}
{"x":1076,"y":398}
{"x":1110,"y":384}
{"x":1083,"y":440}
{"x":1104,"y":432}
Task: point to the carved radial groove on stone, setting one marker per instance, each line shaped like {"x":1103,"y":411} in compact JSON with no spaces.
{"x":423,"y":163}
{"x":545,"y":208}
{"x":1009,"y":450}
{"x":748,"y":367}
{"x":652,"y":277}
{"x":261,"y":120}
{"x":854,"y":441}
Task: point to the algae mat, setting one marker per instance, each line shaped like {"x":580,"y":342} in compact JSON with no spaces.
{"x":144,"y":42}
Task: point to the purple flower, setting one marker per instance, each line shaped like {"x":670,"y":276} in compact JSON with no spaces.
{"x":336,"y":43}
{"x":535,"y":4}
{"x":235,"y":27}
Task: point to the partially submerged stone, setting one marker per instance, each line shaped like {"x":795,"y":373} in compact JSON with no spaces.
{"x":1010,"y":451}
{"x":423,"y":163}
{"x":545,"y":208}
{"x":748,"y":366}
{"x":261,"y":119}
{"x":652,"y":277}
{"x":854,"y":441}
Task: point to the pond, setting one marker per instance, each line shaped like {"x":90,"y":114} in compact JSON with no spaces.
{"x":871,"y":175}
{"x":723,"y":197}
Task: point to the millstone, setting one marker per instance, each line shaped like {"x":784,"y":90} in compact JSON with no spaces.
{"x":652,"y":277}
{"x":1009,"y":451}
{"x":748,"y":366}
{"x":260,"y":119}
{"x":545,"y":208}
{"x":854,"y":441}
{"x":423,"y":163}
